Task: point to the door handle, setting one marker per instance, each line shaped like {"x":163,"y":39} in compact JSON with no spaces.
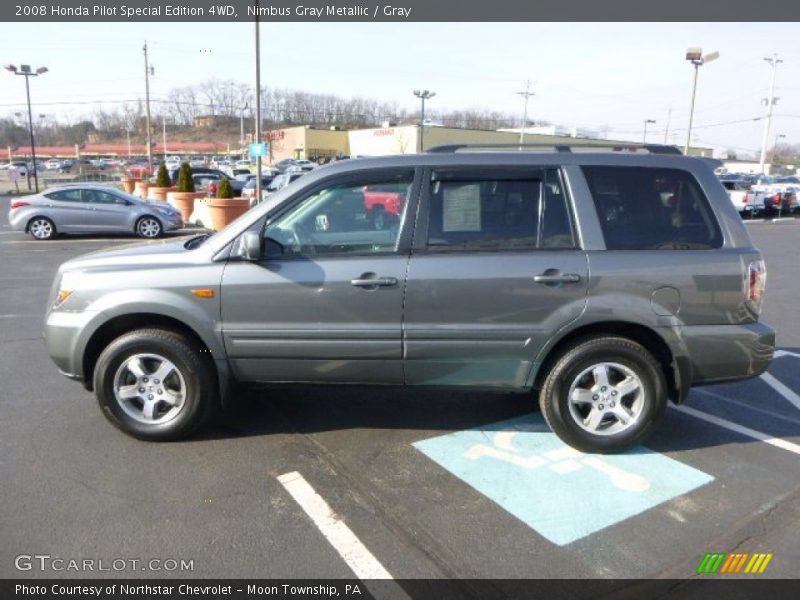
{"x":376,"y":282}
{"x":551,"y":277}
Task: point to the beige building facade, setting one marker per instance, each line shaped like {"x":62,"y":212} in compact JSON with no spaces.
{"x":312,"y":144}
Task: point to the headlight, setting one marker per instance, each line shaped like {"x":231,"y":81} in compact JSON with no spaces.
{"x":164,"y":210}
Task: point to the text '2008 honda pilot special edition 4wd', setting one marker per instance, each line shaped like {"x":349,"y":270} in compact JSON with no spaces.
{"x":606,"y":283}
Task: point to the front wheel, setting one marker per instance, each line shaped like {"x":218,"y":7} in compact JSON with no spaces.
{"x":604,"y":394}
{"x":148,"y":227}
{"x":155,"y":384}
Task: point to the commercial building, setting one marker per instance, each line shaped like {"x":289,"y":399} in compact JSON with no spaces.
{"x":306,"y":142}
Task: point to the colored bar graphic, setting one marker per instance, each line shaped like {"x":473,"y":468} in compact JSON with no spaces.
{"x":711,"y":563}
{"x":722,"y":563}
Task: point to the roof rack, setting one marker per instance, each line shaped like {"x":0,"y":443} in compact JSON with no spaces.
{"x":612,"y":146}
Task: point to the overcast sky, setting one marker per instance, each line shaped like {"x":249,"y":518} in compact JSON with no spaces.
{"x":593,"y":75}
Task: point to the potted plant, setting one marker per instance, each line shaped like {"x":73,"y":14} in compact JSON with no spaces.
{"x":224,"y":208}
{"x":162,"y":186}
{"x":128,"y":183}
{"x":183,"y":199}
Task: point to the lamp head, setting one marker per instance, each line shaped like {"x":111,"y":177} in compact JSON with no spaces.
{"x":11,"y":68}
{"x":41,"y":70}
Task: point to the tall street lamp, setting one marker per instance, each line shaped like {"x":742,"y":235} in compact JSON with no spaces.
{"x":696,"y":57}
{"x":25,"y":71}
{"x":423,"y":95}
{"x":646,"y":123}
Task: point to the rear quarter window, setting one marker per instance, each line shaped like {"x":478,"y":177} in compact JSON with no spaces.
{"x":642,"y":208}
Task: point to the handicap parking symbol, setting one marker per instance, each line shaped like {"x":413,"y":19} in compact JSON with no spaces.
{"x":561,"y":493}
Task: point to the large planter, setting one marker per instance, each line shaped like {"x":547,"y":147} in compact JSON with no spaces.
{"x":183,"y":202}
{"x":140,"y":189}
{"x":223,"y":211}
{"x":128,"y":184}
{"x":158,"y":193}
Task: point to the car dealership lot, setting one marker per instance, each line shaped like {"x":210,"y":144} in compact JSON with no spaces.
{"x":424,"y":496}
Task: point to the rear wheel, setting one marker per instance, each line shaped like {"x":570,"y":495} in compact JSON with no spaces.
{"x":604,"y":394}
{"x":155,"y":384}
{"x":42,"y":228}
{"x":148,"y":227}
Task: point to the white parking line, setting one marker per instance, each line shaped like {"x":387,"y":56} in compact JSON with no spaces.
{"x":782,"y":389}
{"x":751,"y":433}
{"x":341,"y":537}
{"x":747,"y":406}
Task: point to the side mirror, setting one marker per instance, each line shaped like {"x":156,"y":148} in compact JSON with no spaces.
{"x":251,"y":246}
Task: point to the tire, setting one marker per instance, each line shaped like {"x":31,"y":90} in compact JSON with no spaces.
{"x":149,"y":227}
{"x":142,"y":404}
{"x":634,"y":389}
{"x":42,"y":228}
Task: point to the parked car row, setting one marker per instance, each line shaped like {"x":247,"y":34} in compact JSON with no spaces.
{"x":762,"y":195}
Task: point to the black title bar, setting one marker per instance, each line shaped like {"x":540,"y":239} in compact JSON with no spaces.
{"x":150,"y":11}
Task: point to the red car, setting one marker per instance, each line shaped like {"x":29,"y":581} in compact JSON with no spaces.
{"x":384,"y":203}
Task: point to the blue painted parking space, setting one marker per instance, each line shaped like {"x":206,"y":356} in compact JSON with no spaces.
{"x":563,"y":494}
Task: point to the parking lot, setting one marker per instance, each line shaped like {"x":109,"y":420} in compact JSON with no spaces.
{"x":423,"y":484}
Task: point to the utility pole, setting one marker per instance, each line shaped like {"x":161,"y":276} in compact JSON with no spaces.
{"x":666,"y":130}
{"x":258,"y":107}
{"x":770,"y":102}
{"x":147,"y":102}
{"x":526,"y":94}
{"x":241,"y":129}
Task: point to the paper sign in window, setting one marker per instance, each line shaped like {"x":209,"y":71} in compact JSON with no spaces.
{"x":461,"y":208}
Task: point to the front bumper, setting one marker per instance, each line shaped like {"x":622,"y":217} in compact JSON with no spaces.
{"x":62,"y":335}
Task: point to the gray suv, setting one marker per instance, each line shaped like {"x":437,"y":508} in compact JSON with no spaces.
{"x":604,"y":283}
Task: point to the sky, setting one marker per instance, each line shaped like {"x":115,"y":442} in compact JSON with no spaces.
{"x":600,"y":76}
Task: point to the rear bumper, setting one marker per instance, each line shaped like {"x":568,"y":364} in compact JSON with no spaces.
{"x":719,"y":353}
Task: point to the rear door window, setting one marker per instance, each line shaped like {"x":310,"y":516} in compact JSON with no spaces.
{"x":652,"y":209}
{"x":66,"y":195}
{"x":498,"y":211}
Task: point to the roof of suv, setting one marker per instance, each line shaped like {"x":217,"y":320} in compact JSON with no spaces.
{"x":514,"y":158}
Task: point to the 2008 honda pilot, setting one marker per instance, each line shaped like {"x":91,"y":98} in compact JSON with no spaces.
{"x":607,"y":283}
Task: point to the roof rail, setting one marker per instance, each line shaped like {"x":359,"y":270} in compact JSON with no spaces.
{"x":560,"y":147}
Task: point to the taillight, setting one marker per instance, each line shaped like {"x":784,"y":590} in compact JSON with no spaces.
{"x":776,"y":199}
{"x":19,"y":204}
{"x":745,"y":198}
{"x":756,"y":280}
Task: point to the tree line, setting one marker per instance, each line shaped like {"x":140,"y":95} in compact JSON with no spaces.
{"x":180,"y":107}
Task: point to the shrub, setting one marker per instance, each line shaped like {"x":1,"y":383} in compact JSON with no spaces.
{"x":225,"y":190}
{"x":162,"y":178}
{"x":185,"y":181}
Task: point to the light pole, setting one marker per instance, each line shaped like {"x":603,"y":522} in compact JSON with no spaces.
{"x":25,"y":71}
{"x":646,"y":123}
{"x":423,"y":95}
{"x":696,"y":57}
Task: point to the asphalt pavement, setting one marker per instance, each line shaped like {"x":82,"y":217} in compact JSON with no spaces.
{"x":429,"y":483}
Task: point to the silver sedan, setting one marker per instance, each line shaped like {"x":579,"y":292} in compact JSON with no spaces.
{"x":90,"y":208}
